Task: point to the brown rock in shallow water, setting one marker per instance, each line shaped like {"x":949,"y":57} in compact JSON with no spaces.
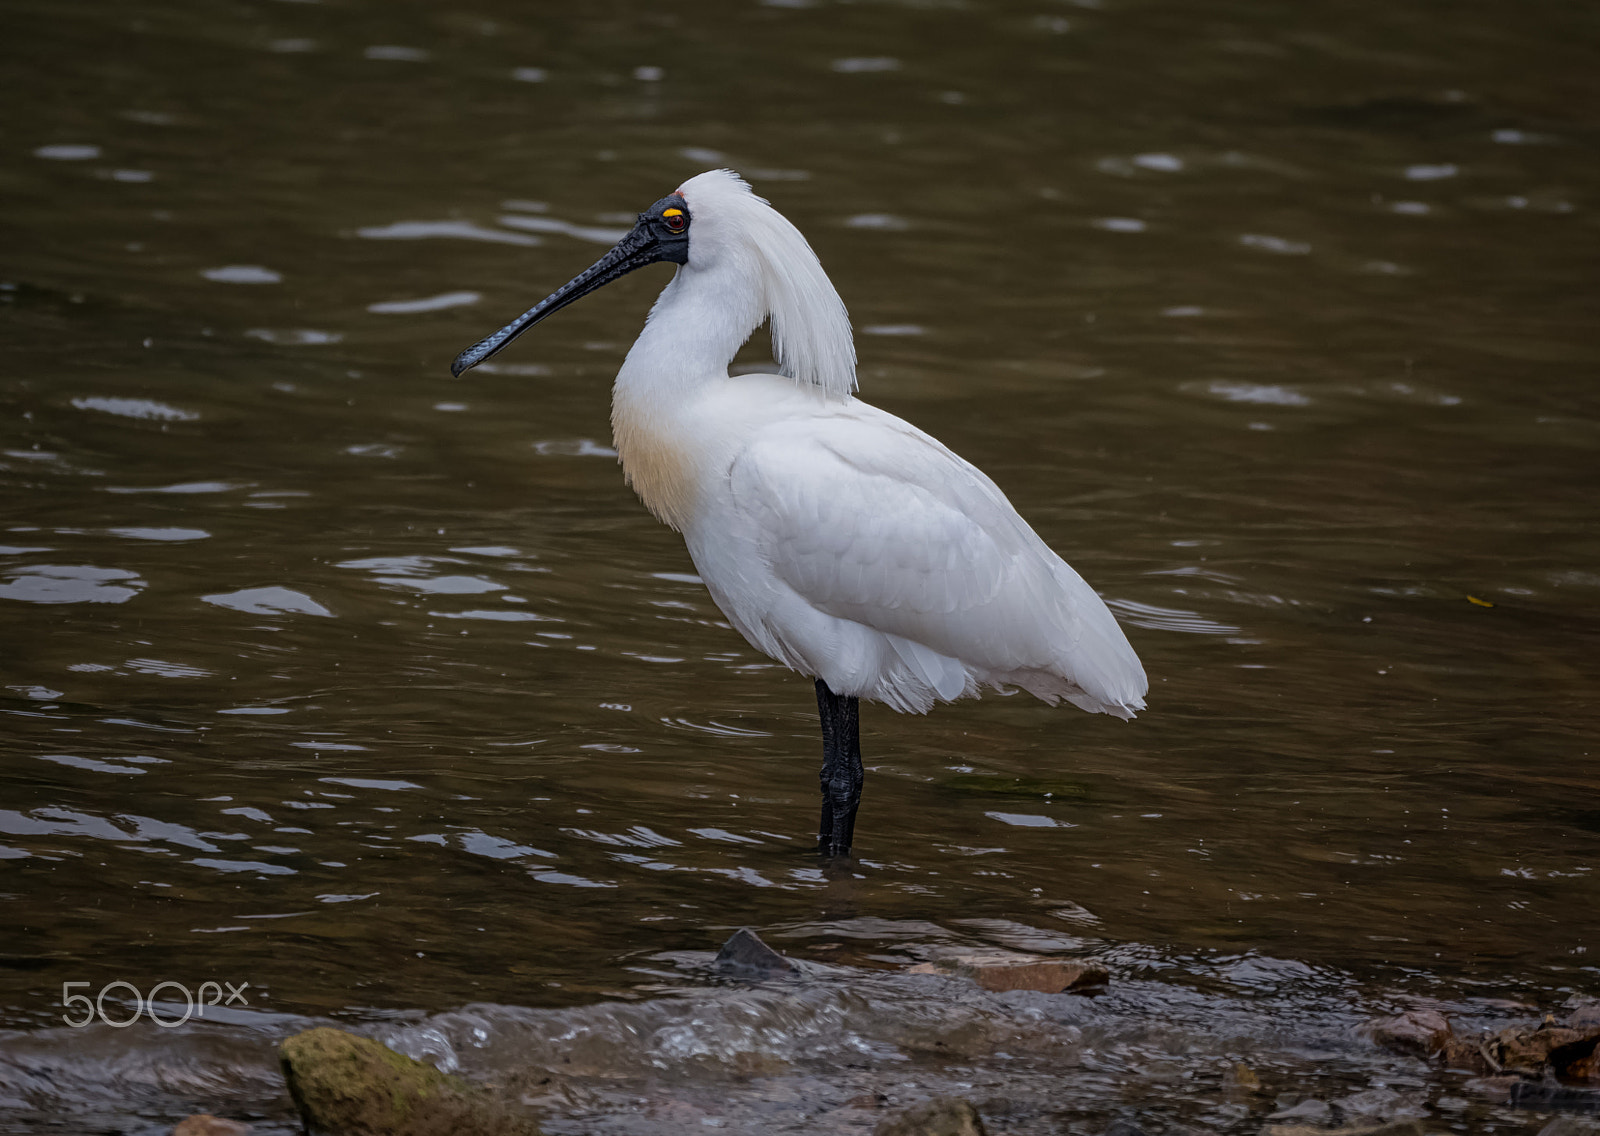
{"x":1051,"y":976}
{"x":1393,"y":1128}
{"x":1468,"y":1055}
{"x":204,"y":1124}
{"x":942,"y":1116}
{"x":1418,"y":1031}
{"x":346,"y":1085}
{"x":1521,"y":1050}
{"x":1001,"y":972}
{"x":1497,"y":1089}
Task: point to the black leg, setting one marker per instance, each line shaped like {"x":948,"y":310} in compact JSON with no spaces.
{"x":841,"y":770}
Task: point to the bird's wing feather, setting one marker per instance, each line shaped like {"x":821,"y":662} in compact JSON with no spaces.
{"x":869,"y":519}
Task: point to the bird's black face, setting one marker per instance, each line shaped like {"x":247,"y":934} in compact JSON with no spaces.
{"x":661,"y":233}
{"x":669,"y":220}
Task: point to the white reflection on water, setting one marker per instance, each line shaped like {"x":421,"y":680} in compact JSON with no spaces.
{"x":67,"y":152}
{"x":146,"y":408}
{"x":425,"y":303}
{"x":242,"y":274}
{"x":1262,"y":393}
{"x":70,"y":583}
{"x":1028,"y":820}
{"x":575,"y":448}
{"x":595,"y":234}
{"x":1154,"y":618}
{"x":1280,"y":245}
{"x":93,"y":766}
{"x":182,"y":487}
{"x":268,"y":601}
{"x":162,"y":534}
{"x":460,"y":230}
{"x":394,"y":53}
{"x":294,"y":336}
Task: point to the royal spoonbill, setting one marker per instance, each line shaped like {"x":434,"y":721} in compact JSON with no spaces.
{"x":839,"y":539}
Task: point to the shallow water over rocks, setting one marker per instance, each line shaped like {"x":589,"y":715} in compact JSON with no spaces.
{"x":829,"y":1051}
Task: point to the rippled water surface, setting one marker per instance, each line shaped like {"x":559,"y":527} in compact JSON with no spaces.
{"x":379,"y":691}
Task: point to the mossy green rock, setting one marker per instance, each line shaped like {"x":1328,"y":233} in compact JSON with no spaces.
{"x":345,"y":1085}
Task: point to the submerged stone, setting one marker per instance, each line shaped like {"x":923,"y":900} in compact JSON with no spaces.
{"x":1307,"y":1112}
{"x":1002,"y":971}
{"x":1497,"y":1089}
{"x":1394,"y":1128}
{"x":204,"y":1124}
{"x":345,"y":1085}
{"x":1585,"y":1015}
{"x":1418,"y":1031}
{"x":1571,"y":1126}
{"x":745,"y":955}
{"x":1549,"y":1094}
{"x":942,"y":1116}
{"x":1243,"y":1079}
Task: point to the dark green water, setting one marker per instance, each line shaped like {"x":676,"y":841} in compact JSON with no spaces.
{"x":379,"y":691}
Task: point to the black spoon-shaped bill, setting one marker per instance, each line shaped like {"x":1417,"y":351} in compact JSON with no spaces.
{"x":639,"y":248}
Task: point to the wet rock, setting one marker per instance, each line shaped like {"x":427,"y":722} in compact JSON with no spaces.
{"x":1306,"y":1112}
{"x":1243,"y":1079}
{"x":1418,"y":1031}
{"x":942,"y":1116}
{"x":1122,"y":1127}
{"x":1051,"y":976}
{"x":1529,"y":1051}
{"x":1550,"y":1094}
{"x":1585,"y":1015}
{"x":353,"y":1086}
{"x":745,"y":955}
{"x":1395,"y":1128}
{"x":1005,"y":971}
{"x":204,"y":1124}
{"x":1571,"y":1126}
{"x":1375,"y":1105}
{"x":1497,"y":1089}
{"x":1585,"y":1068}
{"x":1467,"y":1055}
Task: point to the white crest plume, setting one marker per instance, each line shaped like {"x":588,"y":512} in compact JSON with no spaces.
{"x":810,"y":326}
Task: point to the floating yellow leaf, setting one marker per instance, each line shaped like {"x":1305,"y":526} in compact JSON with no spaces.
{"x":1480,"y":603}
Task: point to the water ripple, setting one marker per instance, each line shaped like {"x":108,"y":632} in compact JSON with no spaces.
{"x":70,"y":583}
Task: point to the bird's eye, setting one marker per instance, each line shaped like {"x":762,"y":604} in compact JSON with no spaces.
{"x":676,"y":219}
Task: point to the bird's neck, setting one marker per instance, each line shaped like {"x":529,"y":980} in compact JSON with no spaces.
{"x":696,"y":327}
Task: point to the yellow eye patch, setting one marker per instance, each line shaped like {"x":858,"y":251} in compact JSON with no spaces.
{"x":672,"y":212}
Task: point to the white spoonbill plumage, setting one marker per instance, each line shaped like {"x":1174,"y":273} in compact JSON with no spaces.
{"x":840,"y":540}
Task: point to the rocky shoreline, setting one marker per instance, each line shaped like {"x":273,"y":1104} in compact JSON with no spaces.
{"x":344,"y":1084}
